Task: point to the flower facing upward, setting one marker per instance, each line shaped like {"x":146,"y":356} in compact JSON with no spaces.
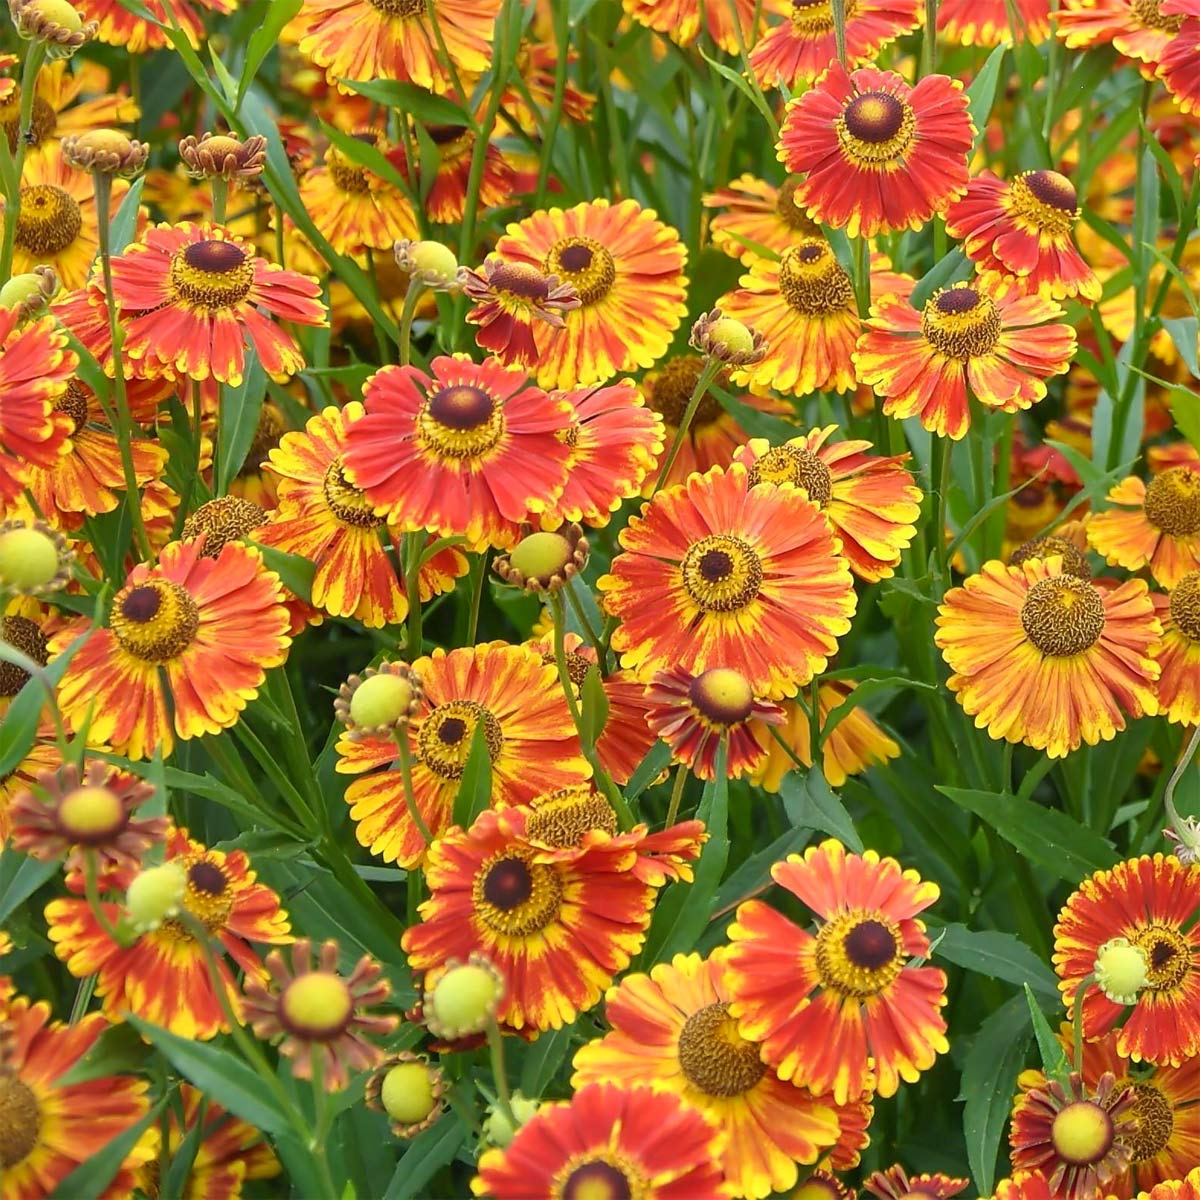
{"x":877,"y":154}
{"x":671,"y":1030}
{"x":716,"y":573}
{"x":982,"y":335}
{"x":871,"y":502}
{"x":84,"y":814}
{"x":1178,"y":654}
{"x":1023,"y":230}
{"x":48,"y":1127}
{"x":467,"y":451}
{"x":1044,"y":657}
{"x":608,"y":1142}
{"x":1152,"y":902}
{"x":557,"y":929}
{"x":693,"y":714}
{"x":162,"y":976}
{"x":1077,"y":1138}
{"x":627,"y":269}
{"x":191,"y":297}
{"x":1155,"y":524}
{"x":316,"y":1014}
{"x":760,"y":217}
{"x":530,"y":738}
{"x":828,"y":1007}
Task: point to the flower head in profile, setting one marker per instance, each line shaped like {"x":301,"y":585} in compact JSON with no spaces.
{"x":1140,"y":29}
{"x":1178,"y":655}
{"x":317,"y":1015}
{"x":1047,"y":658}
{"x":1176,"y":67}
{"x":729,"y":23}
{"x":609,"y":1141}
{"x":831,"y":1007}
{"x":672,"y":1029}
{"x":896,"y":1184}
{"x":120,"y":26}
{"x":877,"y":155}
{"x":989,"y":22}
{"x":626,"y":267}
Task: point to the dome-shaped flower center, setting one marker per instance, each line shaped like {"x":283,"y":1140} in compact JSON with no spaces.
{"x":820,"y":1185}
{"x":1150,"y":14}
{"x":1173,"y":502}
{"x":520,"y":283}
{"x":797,"y":465}
{"x":1074,"y":560}
{"x":577,"y":665}
{"x":401,"y":9}
{"x":1046,"y":200}
{"x":20,"y":1120}
{"x":1082,"y":1133}
{"x":674,"y":383}
{"x":207,"y":897}
{"x":722,"y":696}
{"x":347,"y":502}
{"x":876,"y":128}
{"x":563,"y":818}
{"x":223,"y":520}
{"x":444,"y":740}
{"x":212,"y":275}
{"x":1168,"y":956}
{"x":859,"y":954}
{"x":600,"y":1179}
{"x":347,"y":175}
{"x":960,"y":323}
{"x":43,"y":120}
{"x":25,"y":635}
{"x":316,"y":1005}
{"x":1154,"y":1122}
{"x":584,"y":263}
{"x":792,"y":215}
{"x":460,"y":422}
{"x":49,"y":220}
{"x":721,"y":573}
{"x":715,"y":1057}
{"x":155,"y":621}
{"x":814,"y":18}
{"x":514,"y":896}
{"x":1185,"y":606}
{"x":90,"y":815}
{"x":73,"y":402}
{"x":1063,"y":615}
{"x":812,"y":280}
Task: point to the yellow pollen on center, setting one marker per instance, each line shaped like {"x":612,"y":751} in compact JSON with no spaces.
{"x":154,"y":621}
{"x":875,"y":130}
{"x":1185,"y":606}
{"x":460,"y":422}
{"x":1082,"y":1133}
{"x":212,"y":275}
{"x":347,"y":502}
{"x":1173,"y":502}
{"x":316,"y":1005}
{"x":961,"y":323}
{"x":812,"y":280}
{"x":1063,"y":615}
{"x":585,"y":264}
{"x":515,"y":897}
{"x":721,"y":573}
{"x":90,"y":813}
{"x":444,"y":739}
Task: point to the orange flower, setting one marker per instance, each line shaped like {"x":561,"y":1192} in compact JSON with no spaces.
{"x":1178,"y":654}
{"x":761,"y":217}
{"x":446,"y":200}
{"x":1177,"y":63}
{"x":896,"y":1184}
{"x":684,"y":20}
{"x":120,"y":27}
{"x":1140,"y":30}
{"x":212,"y":626}
{"x":987,"y":22}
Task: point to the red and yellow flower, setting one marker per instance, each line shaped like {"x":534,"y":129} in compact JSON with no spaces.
{"x":1178,"y":654}
{"x":760,"y":217}
{"x":896,"y":1184}
{"x":627,"y":268}
{"x":987,"y":22}
{"x":827,"y":1007}
{"x":877,"y":155}
{"x":1177,"y":64}
{"x":716,"y":572}
{"x":1155,"y":525}
{"x":556,"y":927}
{"x":1048,"y":658}
{"x":468,"y":450}
{"x":608,"y":1141}
{"x":446,"y":198}
{"x":119,"y":26}
{"x":201,"y":630}
{"x":1139,"y":29}
{"x":683,"y":21}
{"x":162,"y":976}
{"x":671,"y":1030}
{"x":985,"y":336}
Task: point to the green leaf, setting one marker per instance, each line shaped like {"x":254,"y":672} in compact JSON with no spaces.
{"x":1185,"y":408}
{"x":998,"y":956}
{"x":756,"y":870}
{"x":1045,"y":836}
{"x":866,"y":689}
{"x":263,"y":41}
{"x":20,"y":877}
{"x":475,"y":787}
{"x":595,"y":707}
{"x":366,"y":155}
{"x":297,"y":573}
{"x":1054,"y":1058}
{"x":657,"y":759}
{"x":748,"y":89}
{"x":19,"y":729}
{"x":981,"y":95}
{"x":410,"y":99}
{"x":218,"y":1074}
{"x":989,"y":1079}
{"x":428,"y":1153}
{"x":951,"y":267}
{"x":124,"y":220}
{"x":1185,"y":333}
{"x":544,"y":1058}
{"x":118,"y":1049}
{"x":810,"y":802}
{"x":90,"y":1179}
{"x":241,"y":408}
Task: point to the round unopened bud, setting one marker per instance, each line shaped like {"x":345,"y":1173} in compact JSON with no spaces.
{"x":1082,"y":1133}
{"x":1121,"y":970}
{"x":58,"y":11}
{"x":543,"y":561}
{"x":407,"y":1092}
{"x":316,"y":1005}
{"x":90,"y":814}
{"x":723,"y":695}
{"x":541,"y":554}
{"x":381,"y":700}
{"x":727,"y":340}
{"x":31,"y":558}
{"x":463,"y":999}
{"x":105,"y":152}
{"x":220,"y":155}
{"x":54,"y":23}
{"x":732,"y":335}
{"x":19,"y":289}
{"x":498,"y":1129}
{"x":155,"y":895}
{"x":431,"y":263}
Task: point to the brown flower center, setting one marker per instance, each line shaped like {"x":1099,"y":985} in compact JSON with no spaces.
{"x":207,"y":897}
{"x":49,"y":221}
{"x":1168,"y":956}
{"x":562,"y":819}
{"x":584,"y":263}
{"x":875,"y":128}
{"x":789,"y":212}
{"x":1149,"y":13}
{"x":212,"y":275}
{"x":721,"y":573}
{"x":577,"y":665}
{"x":812,"y":280}
{"x":859,"y":954}
{"x":25,"y":635}
{"x":1046,"y":200}
{"x":715,"y":1057}
{"x":1074,"y":560}
{"x":516,"y":897}
{"x":1173,"y":502}
{"x":73,"y":402}
{"x":266,"y":438}
{"x":796,"y":465}
{"x":347,"y":502}
{"x":460,"y":422}
{"x":20,"y":1120}
{"x":401,"y":9}
{"x":1185,"y":606}
{"x":960,"y":323}
{"x":444,"y":740}
{"x":521,"y":282}
{"x":154,"y":621}
{"x":223,"y":520}
{"x":673,"y":386}
{"x":43,"y":120}
{"x":600,"y":1179}
{"x":1063,"y":615}
{"x":346,"y":174}
{"x":1154,"y":1122}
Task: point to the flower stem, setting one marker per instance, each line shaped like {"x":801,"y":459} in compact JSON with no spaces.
{"x":707,"y":375}
{"x":681,"y":774}
{"x":220,"y":199}
{"x":496,"y":1050}
{"x":410,"y":801}
{"x":412,"y":574}
{"x":12,"y":210}
{"x":415,"y":288}
{"x":1178,"y":823}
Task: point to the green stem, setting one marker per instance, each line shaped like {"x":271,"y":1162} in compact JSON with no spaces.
{"x":1180,"y":824}
{"x":943,"y":449}
{"x":12,"y":211}
{"x":496,"y":1051}
{"x":415,"y":288}
{"x":707,"y":375}
{"x":220,"y":198}
{"x":588,"y":632}
{"x":681,"y":774}
{"x":1077,"y":1024}
{"x":562,"y":35}
{"x":412,"y":543}
{"x":410,"y":802}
